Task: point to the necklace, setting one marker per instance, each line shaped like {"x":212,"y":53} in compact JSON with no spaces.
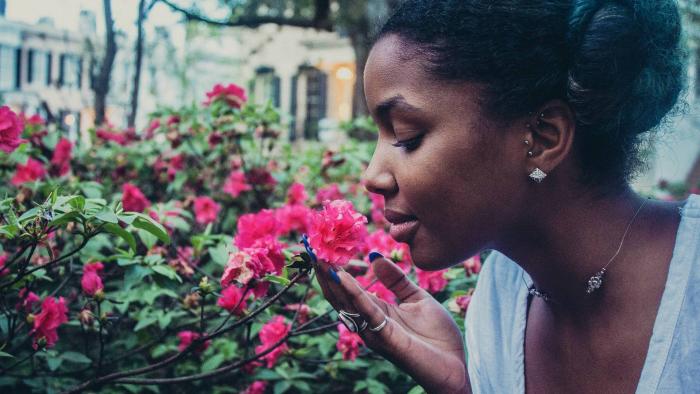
{"x":595,"y":281}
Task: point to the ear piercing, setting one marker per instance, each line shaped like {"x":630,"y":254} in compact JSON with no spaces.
{"x":536,"y":175}
{"x":529,"y":153}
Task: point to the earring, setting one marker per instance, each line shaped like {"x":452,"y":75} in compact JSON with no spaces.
{"x":537,"y":175}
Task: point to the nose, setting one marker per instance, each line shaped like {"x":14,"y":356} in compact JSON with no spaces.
{"x":378,"y":177}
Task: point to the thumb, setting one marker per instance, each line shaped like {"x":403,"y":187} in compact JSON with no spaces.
{"x":394,"y":279}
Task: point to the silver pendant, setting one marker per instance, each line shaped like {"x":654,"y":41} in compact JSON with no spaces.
{"x":595,"y":281}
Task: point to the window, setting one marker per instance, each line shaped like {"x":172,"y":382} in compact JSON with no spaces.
{"x":70,"y":71}
{"x":30,"y":66}
{"x":49,"y":61}
{"x":7,"y":68}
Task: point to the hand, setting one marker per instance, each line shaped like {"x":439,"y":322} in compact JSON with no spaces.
{"x":420,"y":336}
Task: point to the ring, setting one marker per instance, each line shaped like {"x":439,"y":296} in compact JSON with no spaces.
{"x":380,"y":326}
{"x":348,"y":320}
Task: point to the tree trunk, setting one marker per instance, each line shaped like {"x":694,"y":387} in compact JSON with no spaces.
{"x":361,"y":46}
{"x":131,"y":122}
{"x":100,"y":82}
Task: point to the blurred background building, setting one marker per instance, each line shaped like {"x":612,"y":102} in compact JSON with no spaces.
{"x":47,"y":49}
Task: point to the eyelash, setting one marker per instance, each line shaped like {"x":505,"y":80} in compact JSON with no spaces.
{"x":410,"y":144}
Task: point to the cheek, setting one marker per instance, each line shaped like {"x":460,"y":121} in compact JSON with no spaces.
{"x":455,"y":191}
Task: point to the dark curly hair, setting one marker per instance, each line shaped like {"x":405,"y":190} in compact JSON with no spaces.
{"x":619,"y":64}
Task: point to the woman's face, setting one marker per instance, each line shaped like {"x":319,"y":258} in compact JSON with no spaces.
{"x":454,"y":178}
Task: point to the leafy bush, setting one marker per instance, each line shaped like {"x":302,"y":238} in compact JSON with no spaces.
{"x":170,"y":260}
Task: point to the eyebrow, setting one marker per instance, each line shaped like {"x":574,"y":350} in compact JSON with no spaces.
{"x":384,"y":108}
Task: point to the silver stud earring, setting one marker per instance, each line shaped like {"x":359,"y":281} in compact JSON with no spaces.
{"x":529,"y":153}
{"x":537,"y":175}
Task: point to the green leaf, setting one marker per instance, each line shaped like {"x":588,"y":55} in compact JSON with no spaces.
{"x":3,"y":354}
{"x":76,"y":357}
{"x":54,"y":362}
{"x":145,"y":322}
{"x":282,"y":386}
{"x":219,"y":254}
{"x":167,"y":271}
{"x":277,"y":279}
{"x":125,"y":235}
{"x":213,"y":363}
{"x":148,"y":224}
{"x":106,"y":215}
{"x":64,"y":218}
{"x":30,"y":214}
{"x":416,"y":390}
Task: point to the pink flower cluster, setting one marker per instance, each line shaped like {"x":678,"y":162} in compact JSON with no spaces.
{"x":53,"y":313}
{"x":236,"y":183}
{"x":11,"y":127}
{"x":271,"y":333}
{"x":432,"y":281}
{"x":232,"y":299}
{"x":232,"y":94}
{"x":206,"y":210}
{"x":133,"y":199}
{"x":348,"y":343}
{"x":187,"y":337}
{"x":30,"y":172}
{"x":62,"y":153}
{"x":336,"y":233}
{"x":91,"y":282}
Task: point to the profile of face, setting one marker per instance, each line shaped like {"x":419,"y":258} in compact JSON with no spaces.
{"x":456,"y":176}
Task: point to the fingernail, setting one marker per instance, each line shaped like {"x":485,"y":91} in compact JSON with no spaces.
{"x":334,"y":276}
{"x":374,"y":255}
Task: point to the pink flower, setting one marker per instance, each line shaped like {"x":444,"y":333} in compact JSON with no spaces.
{"x":380,"y":241}
{"x":232,"y":300}
{"x":120,"y":138}
{"x":133,"y":199}
{"x":463,"y":302}
{"x":257,"y":387}
{"x":29,"y":172}
{"x":27,"y":301}
{"x":62,"y":154}
{"x":34,"y":120}
{"x":232,"y":94}
{"x":330,"y":192}
{"x":377,"y":288}
{"x":11,"y":127}
{"x":296,"y":194}
{"x":53,"y":313}
{"x":348,"y":343}
{"x":247,"y":264}
{"x":3,"y":270}
{"x":302,"y":311}
{"x":271,"y":333}
{"x":206,"y":210}
{"x":256,"y":226}
{"x":377,"y":211}
{"x":337,"y":232}
{"x":152,"y":127}
{"x":183,"y":261}
{"x":173,"y":120}
{"x":236,"y":184}
{"x":432,"y":281}
{"x":293,"y":218}
{"x":91,"y":281}
{"x":187,"y":337}
{"x":260,"y":176}
{"x":472,"y":266}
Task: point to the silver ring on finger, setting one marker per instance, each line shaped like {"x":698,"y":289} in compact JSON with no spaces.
{"x":380,"y":326}
{"x":348,"y":319}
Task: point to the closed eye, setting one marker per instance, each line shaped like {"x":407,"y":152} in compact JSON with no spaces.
{"x":410,"y":144}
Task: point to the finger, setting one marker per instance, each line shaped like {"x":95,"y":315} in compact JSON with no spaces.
{"x":363,"y":303}
{"x":394,"y":279}
{"x":331,"y":290}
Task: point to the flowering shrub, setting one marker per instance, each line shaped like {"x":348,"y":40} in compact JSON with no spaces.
{"x":170,"y":257}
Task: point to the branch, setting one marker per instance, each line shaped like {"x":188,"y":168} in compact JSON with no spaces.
{"x":319,"y":22}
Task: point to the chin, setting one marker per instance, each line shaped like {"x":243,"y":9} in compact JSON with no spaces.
{"x":432,"y":258}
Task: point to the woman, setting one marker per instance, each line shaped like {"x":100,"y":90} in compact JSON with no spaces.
{"x":516,"y":126}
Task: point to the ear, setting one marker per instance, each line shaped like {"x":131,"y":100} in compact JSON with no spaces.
{"x":551,"y":131}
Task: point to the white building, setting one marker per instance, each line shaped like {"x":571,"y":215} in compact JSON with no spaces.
{"x":42,"y":70}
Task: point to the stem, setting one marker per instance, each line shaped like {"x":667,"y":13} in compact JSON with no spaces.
{"x":18,"y":362}
{"x":102,"y":344}
{"x":49,"y":264}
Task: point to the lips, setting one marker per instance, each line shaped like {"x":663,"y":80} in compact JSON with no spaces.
{"x":403,"y":226}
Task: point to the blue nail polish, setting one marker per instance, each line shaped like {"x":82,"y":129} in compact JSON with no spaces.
{"x":334,"y":276}
{"x":374,"y":255}
{"x":307,"y":246}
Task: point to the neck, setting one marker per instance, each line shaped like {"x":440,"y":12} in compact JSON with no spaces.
{"x":571,"y":239}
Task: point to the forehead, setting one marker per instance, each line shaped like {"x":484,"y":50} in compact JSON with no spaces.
{"x":391,"y":71}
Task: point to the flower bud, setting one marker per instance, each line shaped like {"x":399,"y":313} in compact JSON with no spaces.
{"x":86,"y":317}
{"x":204,"y":286}
{"x":99,"y":295}
{"x":30,"y":318}
{"x":191,"y":301}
